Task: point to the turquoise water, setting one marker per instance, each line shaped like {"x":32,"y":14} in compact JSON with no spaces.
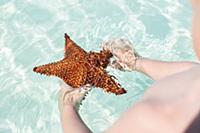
{"x":31,"y":33}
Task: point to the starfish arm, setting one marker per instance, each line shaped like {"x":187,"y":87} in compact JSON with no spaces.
{"x":109,"y":85}
{"x":101,"y":59}
{"x":49,"y":69}
{"x":99,"y":78}
{"x":73,"y":73}
{"x":72,"y":50}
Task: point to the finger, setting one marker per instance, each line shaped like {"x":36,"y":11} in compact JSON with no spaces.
{"x":84,"y":91}
{"x":116,"y":64}
{"x":61,"y":99}
{"x":79,"y":95}
{"x":65,"y":86}
{"x":87,"y":87}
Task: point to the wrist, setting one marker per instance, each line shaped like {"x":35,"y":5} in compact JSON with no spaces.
{"x":67,"y":112}
{"x":138,"y":64}
{"x":68,"y":108}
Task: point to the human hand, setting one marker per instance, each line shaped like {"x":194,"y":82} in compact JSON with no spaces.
{"x":124,"y":54}
{"x":71,"y":96}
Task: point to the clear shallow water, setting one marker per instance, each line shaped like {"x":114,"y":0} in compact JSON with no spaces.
{"x":31,"y":33}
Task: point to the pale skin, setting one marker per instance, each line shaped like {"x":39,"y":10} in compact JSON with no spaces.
{"x":169,"y":105}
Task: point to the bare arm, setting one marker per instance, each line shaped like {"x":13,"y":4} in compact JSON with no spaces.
{"x":160,"y":69}
{"x":164,"y":110}
{"x":71,"y":121}
{"x":69,"y":98}
{"x":126,"y":58}
{"x":142,"y":118}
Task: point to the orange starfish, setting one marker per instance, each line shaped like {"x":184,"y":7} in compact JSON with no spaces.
{"x":79,"y":68}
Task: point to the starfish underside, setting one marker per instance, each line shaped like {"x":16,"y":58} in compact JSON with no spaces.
{"x":79,"y":68}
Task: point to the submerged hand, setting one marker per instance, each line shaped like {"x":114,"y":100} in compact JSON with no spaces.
{"x":124,"y":54}
{"x":71,"y":96}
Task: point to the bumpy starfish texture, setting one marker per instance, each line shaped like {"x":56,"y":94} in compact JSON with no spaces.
{"x":79,"y":68}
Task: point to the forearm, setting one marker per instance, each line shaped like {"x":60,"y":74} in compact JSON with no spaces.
{"x":142,"y":118}
{"x":160,"y":69}
{"x":71,"y":122}
{"x":168,"y":106}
